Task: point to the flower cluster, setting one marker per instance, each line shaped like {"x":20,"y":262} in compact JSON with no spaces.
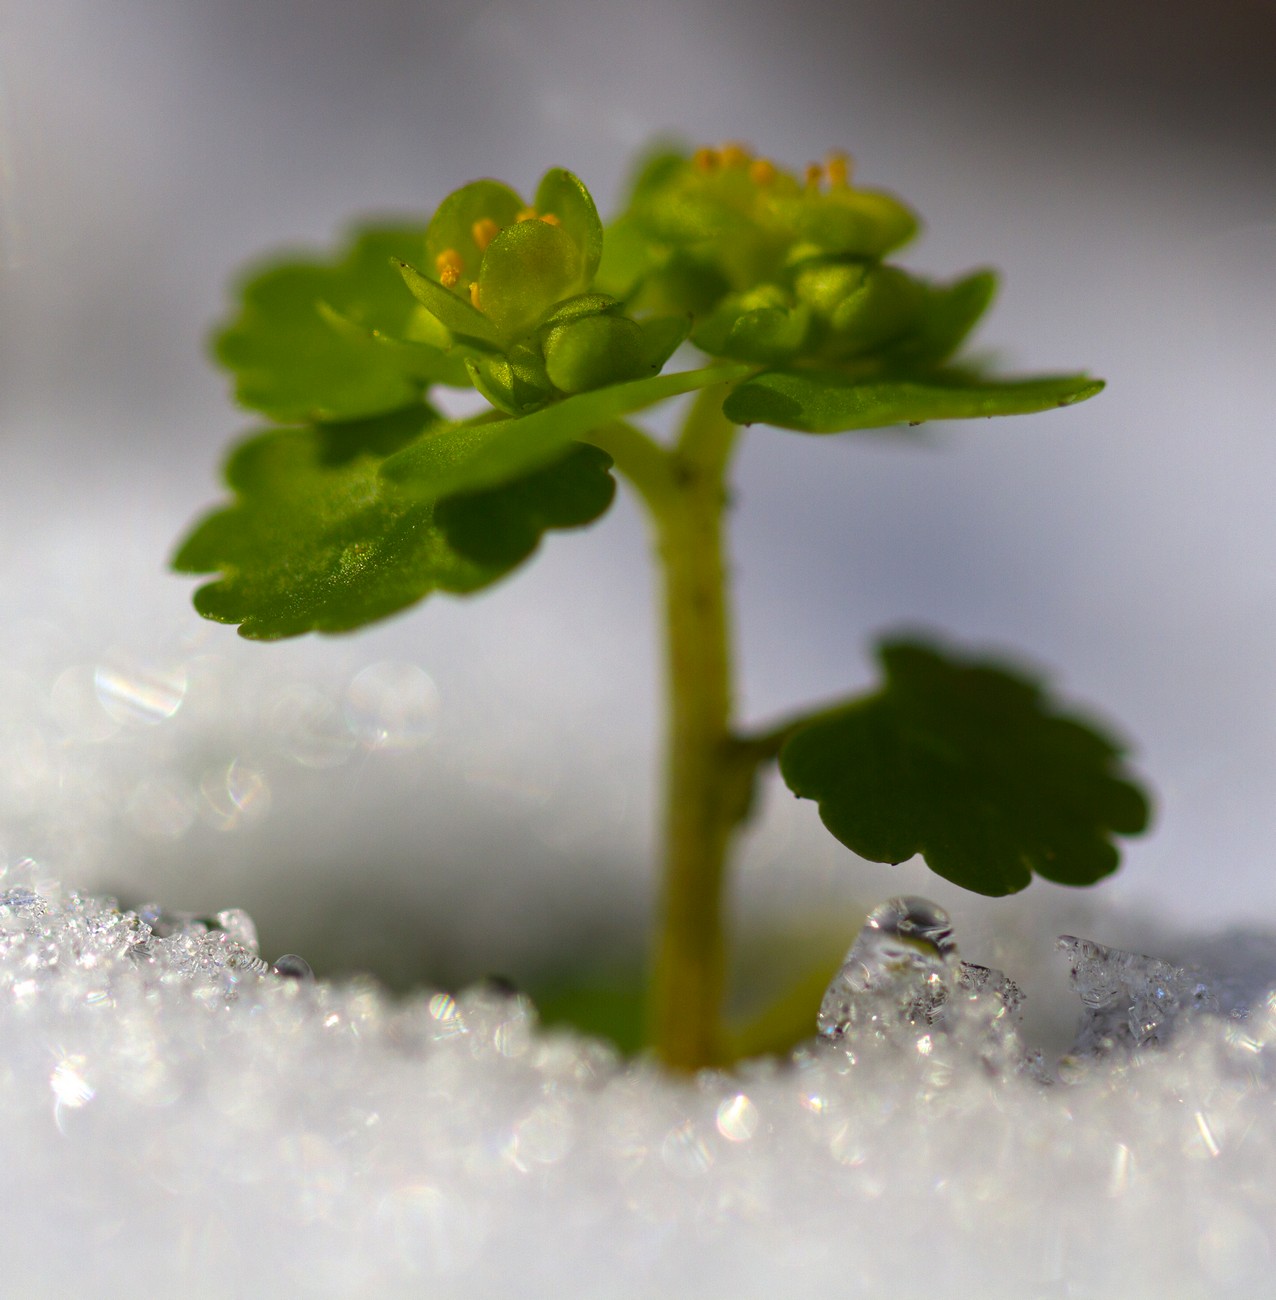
{"x":777,"y":267}
{"x":510,"y":283}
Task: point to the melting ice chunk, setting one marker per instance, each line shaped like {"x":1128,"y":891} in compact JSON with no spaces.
{"x":1130,"y":1000}
{"x":897,"y":973}
{"x":903,"y":981}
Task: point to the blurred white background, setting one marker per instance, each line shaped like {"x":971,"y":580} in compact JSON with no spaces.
{"x":1118,"y":163}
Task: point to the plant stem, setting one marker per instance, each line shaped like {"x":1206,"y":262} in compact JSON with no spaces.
{"x":708,"y":772}
{"x":702,"y":798}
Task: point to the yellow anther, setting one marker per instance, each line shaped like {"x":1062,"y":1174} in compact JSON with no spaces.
{"x":530,"y":214}
{"x":762,"y":172}
{"x":449,"y":266}
{"x":474,"y":296}
{"x":706,"y":160}
{"x":484,"y":231}
{"x":839,"y":169}
{"x":735,"y":154}
{"x":814,"y":175}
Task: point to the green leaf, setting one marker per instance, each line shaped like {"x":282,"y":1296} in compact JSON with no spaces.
{"x":503,"y":525}
{"x":967,"y":763}
{"x":318,"y":540}
{"x":309,"y":341}
{"x":485,"y":453}
{"x":831,"y":401}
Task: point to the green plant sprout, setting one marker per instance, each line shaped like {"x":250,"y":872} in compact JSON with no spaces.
{"x":361,"y":498}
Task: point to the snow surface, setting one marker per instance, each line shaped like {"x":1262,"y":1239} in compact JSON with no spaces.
{"x":176,"y":1113}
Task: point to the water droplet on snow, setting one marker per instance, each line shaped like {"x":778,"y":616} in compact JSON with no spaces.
{"x":897,"y":972}
{"x":737,"y":1118}
{"x":904,"y":986}
{"x":292,"y":967}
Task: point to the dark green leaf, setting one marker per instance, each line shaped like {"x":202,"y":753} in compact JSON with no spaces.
{"x":830,"y":401}
{"x":318,"y":540}
{"x":968,"y":764}
{"x":503,"y":525}
{"x":309,"y":342}
{"x":483,"y":454}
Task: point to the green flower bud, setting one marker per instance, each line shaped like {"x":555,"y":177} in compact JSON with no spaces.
{"x":594,"y":351}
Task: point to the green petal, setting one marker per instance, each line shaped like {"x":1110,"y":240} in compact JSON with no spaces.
{"x":527,"y":268}
{"x":564,"y":195}
{"x":452,"y":226}
{"x":969,"y":764}
{"x":830,"y":401}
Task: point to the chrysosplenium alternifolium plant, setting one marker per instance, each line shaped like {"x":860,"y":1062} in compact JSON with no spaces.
{"x":361,"y":499}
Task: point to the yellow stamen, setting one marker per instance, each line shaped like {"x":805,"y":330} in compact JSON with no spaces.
{"x":762,"y":172}
{"x":449,"y":266}
{"x":484,"y":231}
{"x":735,"y":154}
{"x":550,"y":219}
{"x":474,"y":296}
{"x":839,"y":169}
{"x":527,"y":214}
{"x":706,"y":160}
{"x":814,"y":175}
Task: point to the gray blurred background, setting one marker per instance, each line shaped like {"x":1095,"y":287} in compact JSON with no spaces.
{"x":470,"y":787}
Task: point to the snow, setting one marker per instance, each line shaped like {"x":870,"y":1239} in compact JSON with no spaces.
{"x":176,"y":1113}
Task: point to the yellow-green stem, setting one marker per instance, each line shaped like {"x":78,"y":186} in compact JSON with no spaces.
{"x":701,"y":802}
{"x":708,"y":772}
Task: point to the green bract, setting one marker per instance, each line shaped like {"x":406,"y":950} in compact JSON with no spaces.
{"x":362,"y":499}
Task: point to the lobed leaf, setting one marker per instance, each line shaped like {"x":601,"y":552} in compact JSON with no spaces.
{"x":970,"y":765}
{"x":309,"y":340}
{"x":318,"y":540}
{"x":503,"y":525}
{"x":833,"y":401}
